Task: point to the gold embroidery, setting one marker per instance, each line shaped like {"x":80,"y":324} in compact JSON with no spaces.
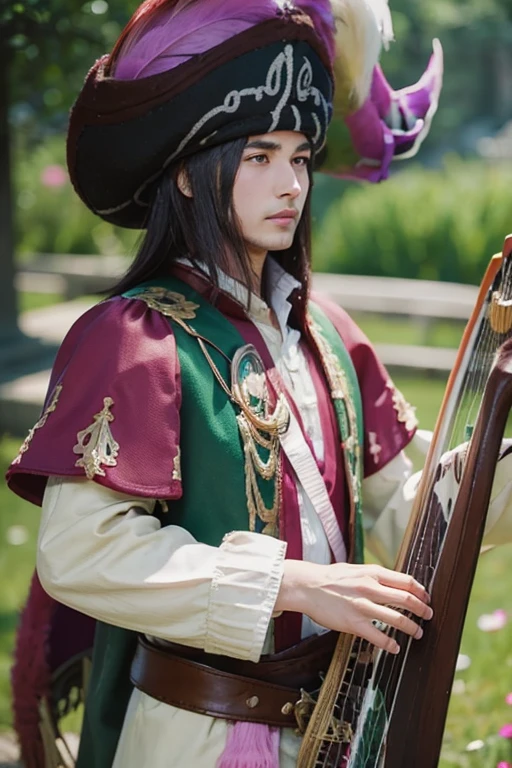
{"x":340,"y":390}
{"x":249,"y":392}
{"x":405,"y":411}
{"x":176,"y":472}
{"x":97,"y":444}
{"x":259,"y":429}
{"x":375,"y":448}
{"x":168,"y":303}
{"x":42,"y":421}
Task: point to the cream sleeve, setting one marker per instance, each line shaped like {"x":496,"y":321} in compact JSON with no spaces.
{"x":389,"y":494}
{"x":104,"y":554}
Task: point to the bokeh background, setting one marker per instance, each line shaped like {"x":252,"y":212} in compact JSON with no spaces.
{"x":439,"y":218}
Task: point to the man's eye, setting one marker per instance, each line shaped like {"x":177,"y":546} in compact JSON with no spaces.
{"x":259,"y":159}
{"x":301,"y":160}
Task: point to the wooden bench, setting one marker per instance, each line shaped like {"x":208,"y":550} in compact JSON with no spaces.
{"x":423,"y":301}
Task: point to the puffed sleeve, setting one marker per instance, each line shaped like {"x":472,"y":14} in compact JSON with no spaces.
{"x":389,"y":421}
{"x":112,"y":408}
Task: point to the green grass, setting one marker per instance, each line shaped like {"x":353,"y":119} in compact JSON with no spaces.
{"x":391,"y":329}
{"x":478,"y":713}
{"x":16,"y":567}
{"x":29,"y":301}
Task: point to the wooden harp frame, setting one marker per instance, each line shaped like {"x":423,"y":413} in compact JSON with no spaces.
{"x":416,"y":726}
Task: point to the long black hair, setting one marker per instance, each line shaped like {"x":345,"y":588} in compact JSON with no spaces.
{"x":205,"y":229}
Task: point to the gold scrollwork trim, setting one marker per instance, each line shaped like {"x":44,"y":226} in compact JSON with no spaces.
{"x":42,"y":421}
{"x":176,"y":465}
{"x":405,"y":411}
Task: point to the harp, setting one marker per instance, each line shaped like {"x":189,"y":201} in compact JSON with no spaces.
{"x":377,"y":710}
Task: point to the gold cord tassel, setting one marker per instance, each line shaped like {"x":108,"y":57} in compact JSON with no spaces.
{"x":322,"y":725}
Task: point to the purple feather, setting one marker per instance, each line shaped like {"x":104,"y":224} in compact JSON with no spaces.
{"x":173,"y":34}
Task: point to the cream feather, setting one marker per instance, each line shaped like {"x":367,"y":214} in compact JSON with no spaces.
{"x":362,"y":27}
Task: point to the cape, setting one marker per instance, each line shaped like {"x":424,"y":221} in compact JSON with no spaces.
{"x":124,"y":350}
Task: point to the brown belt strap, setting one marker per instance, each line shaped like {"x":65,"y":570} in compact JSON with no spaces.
{"x":196,"y":687}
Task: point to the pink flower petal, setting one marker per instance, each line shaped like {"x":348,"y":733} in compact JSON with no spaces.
{"x":508,"y":699}
{"x":54,"y":176}
{"x":492,"y":622}
{"x":504,"y":764}
{"x":506,"y":731}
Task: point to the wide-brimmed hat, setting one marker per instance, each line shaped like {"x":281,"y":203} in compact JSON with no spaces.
{"x":187,"y":75}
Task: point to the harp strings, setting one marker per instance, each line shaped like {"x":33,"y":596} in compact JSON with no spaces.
{"x":425,"y":550}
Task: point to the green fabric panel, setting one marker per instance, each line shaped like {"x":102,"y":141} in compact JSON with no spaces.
{"x":108,"y":695}
{"x":330,"y":333}
{"x":213,"y":501}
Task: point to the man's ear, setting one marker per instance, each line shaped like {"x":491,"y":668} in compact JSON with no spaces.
{"x":183,"y":183}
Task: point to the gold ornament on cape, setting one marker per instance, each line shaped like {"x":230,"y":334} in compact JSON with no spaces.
{"x":96,"y":444}
{"x":168,"y":303}
{"x":42,"y":421}
{"x":375,"y":447}
{"x":176,"y":464}
{"x":405,"y":412}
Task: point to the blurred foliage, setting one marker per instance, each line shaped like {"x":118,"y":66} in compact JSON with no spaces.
{"x":51,"y":218}
{"x":50,"y":46}
{"x":433,"y":224}
{"x":53,"y":44}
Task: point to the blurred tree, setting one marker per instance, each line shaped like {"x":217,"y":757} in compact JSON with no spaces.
{"x":46,"y":47}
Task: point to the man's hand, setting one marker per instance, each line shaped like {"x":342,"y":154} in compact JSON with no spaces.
{"x":349,"y":598}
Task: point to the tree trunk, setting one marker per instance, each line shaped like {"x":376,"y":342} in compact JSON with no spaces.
{"x":8,"y":302}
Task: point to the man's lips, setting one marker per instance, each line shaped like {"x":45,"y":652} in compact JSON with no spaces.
{"x":287,"y":213}
{"x":284,"y":218}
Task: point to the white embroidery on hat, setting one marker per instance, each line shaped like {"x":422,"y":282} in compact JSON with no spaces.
{"x":279,"y":79}
{"x":298,"y":119}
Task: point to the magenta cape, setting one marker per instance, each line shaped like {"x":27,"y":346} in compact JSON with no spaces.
{"x":123,"y":349}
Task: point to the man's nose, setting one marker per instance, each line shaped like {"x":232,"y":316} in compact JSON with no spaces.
{"x":287,"y":183}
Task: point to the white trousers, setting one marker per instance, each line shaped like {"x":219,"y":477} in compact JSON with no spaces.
{"x":157,"y":735}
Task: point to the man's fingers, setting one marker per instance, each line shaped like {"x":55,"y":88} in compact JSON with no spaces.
{"x":403,"y":581}
{"x":397,"y":620}
{"x":379,"y":639}
{"x":406,"y":600}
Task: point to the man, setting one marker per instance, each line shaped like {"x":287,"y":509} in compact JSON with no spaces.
{"x":188,"y":459}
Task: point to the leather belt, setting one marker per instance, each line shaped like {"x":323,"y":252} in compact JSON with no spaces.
{"x":273,"y":692}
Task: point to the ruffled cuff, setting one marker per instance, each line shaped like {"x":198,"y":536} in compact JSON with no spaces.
{"x":243,"y":593}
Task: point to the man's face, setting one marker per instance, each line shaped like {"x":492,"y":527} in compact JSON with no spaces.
{"x":270,"y":189}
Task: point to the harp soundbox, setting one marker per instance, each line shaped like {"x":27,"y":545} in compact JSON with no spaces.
{"x":377,"y":710}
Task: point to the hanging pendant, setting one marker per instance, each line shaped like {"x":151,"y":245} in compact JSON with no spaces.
{"x":259,"y":429}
